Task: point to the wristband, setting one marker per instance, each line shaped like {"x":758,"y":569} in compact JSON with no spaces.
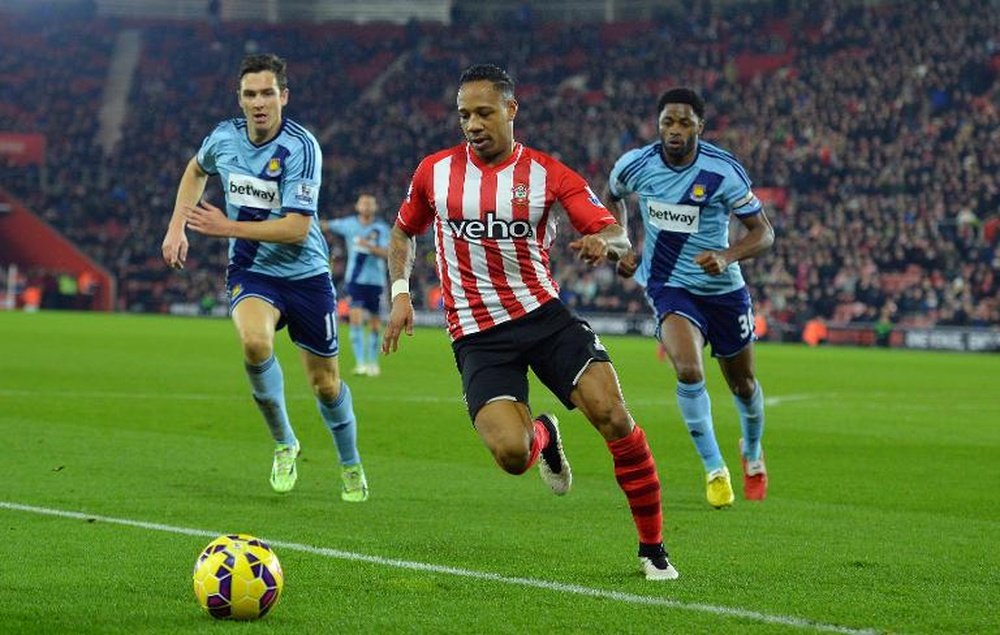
{"x":400,"y":286}
{"x":618,"y":246}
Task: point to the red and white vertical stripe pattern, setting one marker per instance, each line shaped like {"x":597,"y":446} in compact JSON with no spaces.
{"x":493,"y":229}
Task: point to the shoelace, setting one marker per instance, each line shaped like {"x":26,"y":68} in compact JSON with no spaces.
{"x":352,"y":480}
{"x":715,"y":475}
{"x":658,"y":558}
{"x":285,"y":459}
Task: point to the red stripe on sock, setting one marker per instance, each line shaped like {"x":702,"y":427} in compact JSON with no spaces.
{"x":631,"y":461}
{"x":645,"y":510}
{"x":649,"y":488}
{"x":639,"y":473}
{"x":635,"y":471}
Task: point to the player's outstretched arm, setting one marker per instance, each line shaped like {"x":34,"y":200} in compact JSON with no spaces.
{"x":628,"y":262}
{"x":611,"y":243}
{"x":402,"y":251}
{"x":190,"y":189}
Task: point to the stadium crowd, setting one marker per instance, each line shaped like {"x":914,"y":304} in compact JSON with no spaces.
{"x":872,"y":131}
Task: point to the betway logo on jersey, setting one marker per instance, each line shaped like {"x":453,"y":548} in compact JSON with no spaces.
{"x":490,"y":227}
{"x":249,"y":191}
{"x":672,"y":217}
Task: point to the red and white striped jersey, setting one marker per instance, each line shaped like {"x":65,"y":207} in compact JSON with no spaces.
{"x":492,"y":230}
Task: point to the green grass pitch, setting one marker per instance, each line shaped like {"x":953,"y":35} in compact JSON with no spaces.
{"x":883,"y":513}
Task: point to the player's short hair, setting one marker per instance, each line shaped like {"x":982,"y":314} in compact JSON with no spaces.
{"x":682,"y":96}
{"x":260,"y":62}
{"x":491,"y":73}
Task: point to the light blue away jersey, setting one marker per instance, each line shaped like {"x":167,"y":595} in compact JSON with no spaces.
{"x":685,"y":211}
{"x":363,"y":267}
{"x":265,"y":182}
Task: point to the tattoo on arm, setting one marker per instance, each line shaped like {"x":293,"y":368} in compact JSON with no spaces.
{"x":402,"y":252}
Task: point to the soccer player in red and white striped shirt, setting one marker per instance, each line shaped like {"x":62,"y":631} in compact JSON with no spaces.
{"x":490,"y":202}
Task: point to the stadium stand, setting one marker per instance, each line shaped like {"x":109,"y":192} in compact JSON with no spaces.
{"x":872,"y":130}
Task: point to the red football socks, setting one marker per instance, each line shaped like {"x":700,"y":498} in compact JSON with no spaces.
{"x":636,"y":474}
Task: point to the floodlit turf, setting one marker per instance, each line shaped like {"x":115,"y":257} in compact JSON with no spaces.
{"x":883,"y":512}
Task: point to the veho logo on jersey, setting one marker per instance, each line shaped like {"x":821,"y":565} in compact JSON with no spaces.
{"x":672,"y":217}
{"x":490,"y":227}
{"x":249,"y":191}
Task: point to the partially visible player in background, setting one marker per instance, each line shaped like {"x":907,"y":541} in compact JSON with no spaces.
{"x":687,"y":189}
{"x":490,"y":201}
{"x":279,"y":262}
{"x":367,"y":240}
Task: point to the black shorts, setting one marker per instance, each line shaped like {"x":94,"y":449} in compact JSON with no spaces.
{"x":554,"y":343}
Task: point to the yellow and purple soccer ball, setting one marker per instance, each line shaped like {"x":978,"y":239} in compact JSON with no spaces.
{"x":237,"y":577}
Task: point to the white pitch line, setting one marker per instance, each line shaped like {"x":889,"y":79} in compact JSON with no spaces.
{"x":774,"y":401}
{"x":559,"y":587}
{"x":770,"y":402}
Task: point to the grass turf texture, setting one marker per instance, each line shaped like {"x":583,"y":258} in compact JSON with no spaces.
{"x":882,"y":512}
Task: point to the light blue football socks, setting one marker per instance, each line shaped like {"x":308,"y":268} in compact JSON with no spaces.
{"x":751,"y":422}
{"x":696,"y":408}
{"x":268,"y":384}
{"x":374,"y":344}
{"x":339,"y":418}
{"x":358,"y":345}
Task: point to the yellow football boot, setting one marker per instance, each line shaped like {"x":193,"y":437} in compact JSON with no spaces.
{"x":719,"y":489}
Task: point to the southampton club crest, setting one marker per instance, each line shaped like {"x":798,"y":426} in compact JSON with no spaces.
{"x":520,"y":195}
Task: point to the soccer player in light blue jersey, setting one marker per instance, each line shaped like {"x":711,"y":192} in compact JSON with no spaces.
{"x":687,"y":190}
{"x":367,"y":241}
{"x":279,"y":270}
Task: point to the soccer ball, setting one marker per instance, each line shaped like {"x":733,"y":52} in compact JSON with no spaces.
{"x":237,"y":577}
